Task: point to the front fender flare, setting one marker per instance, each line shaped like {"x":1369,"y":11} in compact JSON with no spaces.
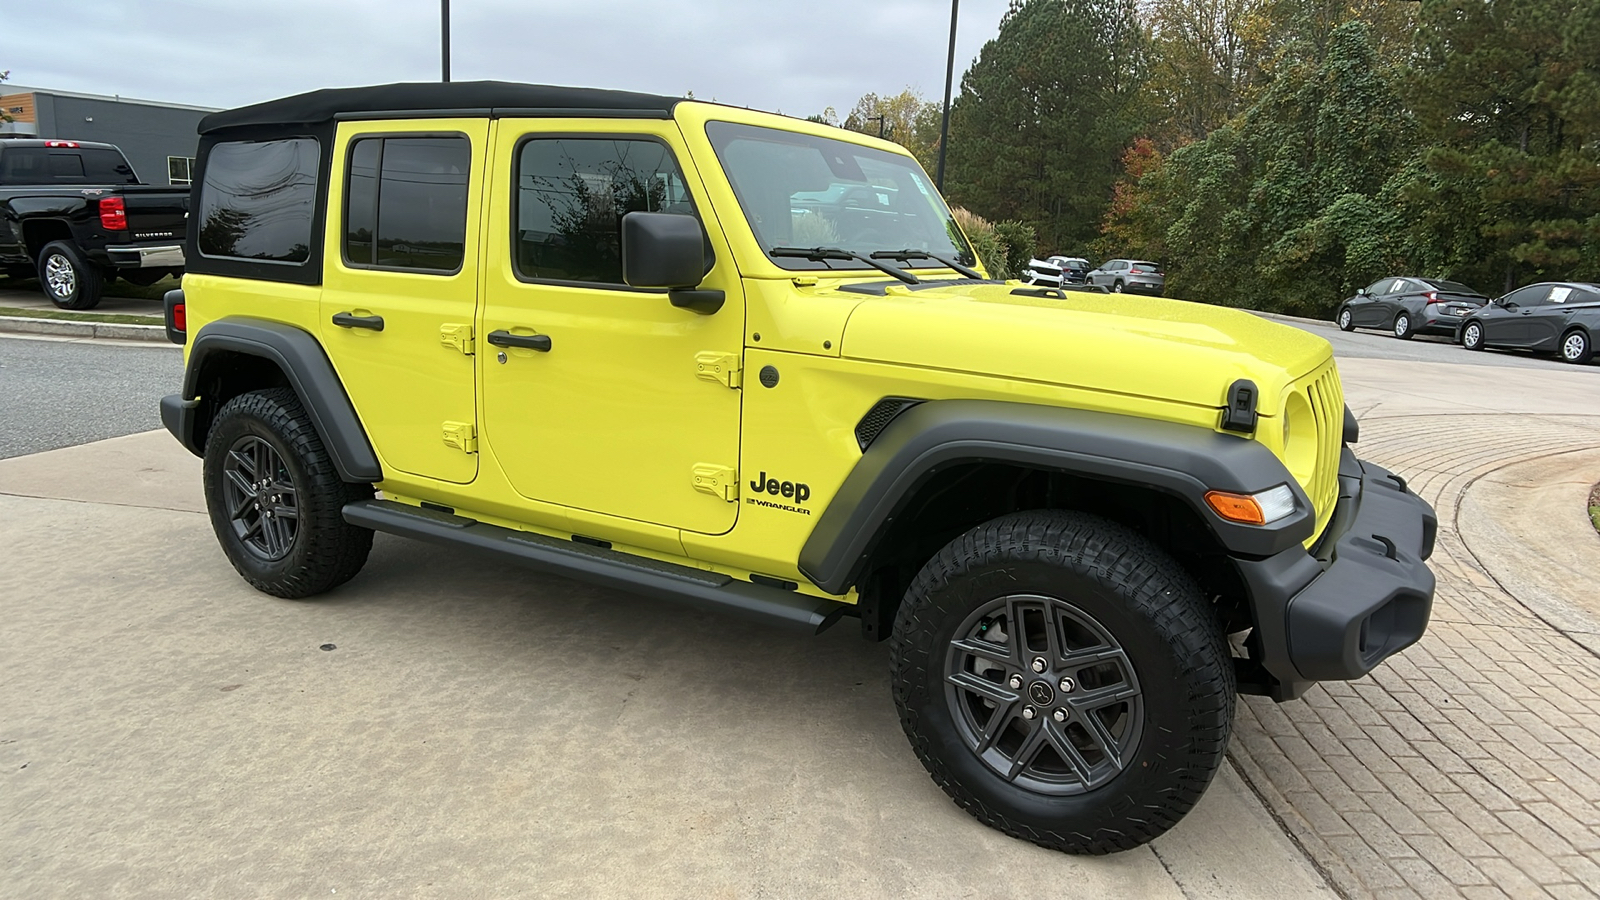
{"x":298,"y":354}
{"x":1182,"y":460}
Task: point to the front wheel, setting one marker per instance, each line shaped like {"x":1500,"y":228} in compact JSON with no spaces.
{"x":1063,"y":680}
{"x":1347,"y":321}
{"x":276,"y":500}
{"x":1575,"y":348}
{"x":1472,"y":336}
{"x":68,"y":280}
{"x":1402,"y":326}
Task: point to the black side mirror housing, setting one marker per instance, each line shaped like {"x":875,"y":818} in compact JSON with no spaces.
{"x":1361,"y":292}
{"x":667,"y":250}
{"x":662,"y":250}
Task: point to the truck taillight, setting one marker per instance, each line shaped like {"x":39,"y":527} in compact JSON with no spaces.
{"x":69,"y":144}
{"x":113,"y":214}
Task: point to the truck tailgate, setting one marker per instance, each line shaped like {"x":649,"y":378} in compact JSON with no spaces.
{"x":155,"y":213}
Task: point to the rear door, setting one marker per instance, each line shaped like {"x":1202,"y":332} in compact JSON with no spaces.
{"x":400,"y":287}
{"x":1550,"y":319}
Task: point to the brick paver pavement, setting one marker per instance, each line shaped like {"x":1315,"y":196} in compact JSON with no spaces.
{"x":1468,"y":765}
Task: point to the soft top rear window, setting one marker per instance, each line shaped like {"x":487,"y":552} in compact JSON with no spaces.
{"x":258,"y":200}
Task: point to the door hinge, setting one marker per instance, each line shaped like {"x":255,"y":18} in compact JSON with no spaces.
{"x":461,"y":435}
{"x":718,"y":481}
{"x":723,"y":368}
{"x":458,"y":336}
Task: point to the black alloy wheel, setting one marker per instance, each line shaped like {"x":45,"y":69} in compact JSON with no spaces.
{"x":260,"y":498}
{"x":276,"y":500}
{"x":1043,"y":694}
{"x":1064,"y":680}
{"x":1347,"y":321}
{"x":1472,"y":335}
{"x":1576,"y":348}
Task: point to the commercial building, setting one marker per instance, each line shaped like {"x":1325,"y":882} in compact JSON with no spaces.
{"x":159,"y":139}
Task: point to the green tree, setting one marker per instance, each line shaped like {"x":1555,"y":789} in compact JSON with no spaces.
{"x":1507,"y":94}
{"x":905,"y":118}
{"x":1044,"y":113}
{"x":1207,"y":58}
{"x":1296,"y":202}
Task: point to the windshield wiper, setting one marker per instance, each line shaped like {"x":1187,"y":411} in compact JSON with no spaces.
{"x":945,"y":261}
{"x":821,"y":253}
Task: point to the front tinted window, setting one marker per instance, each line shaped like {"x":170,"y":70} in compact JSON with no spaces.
{"x":406,"y":203}
{"x":572,"y":194}
{"x":77,"y":165}
{"x":1528,"y":296}
{"x":802,"y":191}
{"x":258,"y":198}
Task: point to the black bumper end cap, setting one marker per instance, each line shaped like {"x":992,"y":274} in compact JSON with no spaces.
{"x":178,"y":415}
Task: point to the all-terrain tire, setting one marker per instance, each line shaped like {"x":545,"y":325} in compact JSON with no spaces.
{"x":322,"y":551}
{"x":1144,"y":601}
{"x":68,"y":279}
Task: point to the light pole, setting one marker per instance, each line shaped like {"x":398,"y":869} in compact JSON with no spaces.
{"x":949,"y":75}
{"x":444,"y":40}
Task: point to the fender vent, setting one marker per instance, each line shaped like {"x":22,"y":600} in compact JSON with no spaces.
{"x":879,"y":417}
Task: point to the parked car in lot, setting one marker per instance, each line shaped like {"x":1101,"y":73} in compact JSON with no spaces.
{"x":593,"y":332}
{"x":1548,"y":317}
{"x":1055,"y":271}
{"x":1135,"y":276}
{"x":1408,"y":306}
{"x":75,"y":214}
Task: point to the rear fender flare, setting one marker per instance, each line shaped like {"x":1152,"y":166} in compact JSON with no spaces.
{"x":308,"y":371}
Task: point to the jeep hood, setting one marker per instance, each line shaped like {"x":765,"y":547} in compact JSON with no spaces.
{"x":1143,"y":346}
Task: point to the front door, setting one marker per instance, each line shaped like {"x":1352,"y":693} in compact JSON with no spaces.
{"x":1509,"y":327}
{"x":400,"y":287}
{"x":626,"y":406}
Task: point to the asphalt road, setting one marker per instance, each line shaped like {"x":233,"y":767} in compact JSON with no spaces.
{"x":1423,"y":348}
{"x":58,"y":393}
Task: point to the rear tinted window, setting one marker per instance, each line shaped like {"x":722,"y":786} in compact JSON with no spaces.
{"x":1455,"y":287}
{"x":258,"y":199}
{"x":1148,"y":266}
{"x":74,"y":165}
{"x":406,"y":203}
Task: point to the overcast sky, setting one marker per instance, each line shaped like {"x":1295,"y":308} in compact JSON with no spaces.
{"x":791,"y":56}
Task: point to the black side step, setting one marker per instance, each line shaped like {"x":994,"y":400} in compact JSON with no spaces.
{"x":585,"y":562}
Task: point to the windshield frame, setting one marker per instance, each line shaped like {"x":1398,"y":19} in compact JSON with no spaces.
{"x":732,"y":129}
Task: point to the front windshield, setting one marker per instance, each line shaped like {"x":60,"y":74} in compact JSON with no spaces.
{"x":797,"y":190}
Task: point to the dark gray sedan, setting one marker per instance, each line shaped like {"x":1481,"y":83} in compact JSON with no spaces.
{"x":1132,"y":275}
{"x":1408,"y":306}
{"x":1549,"y":317}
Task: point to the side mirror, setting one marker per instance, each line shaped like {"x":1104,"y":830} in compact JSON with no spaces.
{"x":1361,"y":292}
{"x":1508,"y":304}
{"x":667,"y":250}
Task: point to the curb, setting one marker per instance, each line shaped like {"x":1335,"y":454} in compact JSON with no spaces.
{"x":66,"y":328}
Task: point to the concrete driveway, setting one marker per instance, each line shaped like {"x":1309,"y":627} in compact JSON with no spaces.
{"x":474,"y":730}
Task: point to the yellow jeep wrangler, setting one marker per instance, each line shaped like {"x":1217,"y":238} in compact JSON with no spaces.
{"x":751,"y":363}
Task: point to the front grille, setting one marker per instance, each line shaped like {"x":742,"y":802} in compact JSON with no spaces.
{"x":1326,"y":397}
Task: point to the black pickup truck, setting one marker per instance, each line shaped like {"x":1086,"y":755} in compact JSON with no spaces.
{"x":74,"y":214}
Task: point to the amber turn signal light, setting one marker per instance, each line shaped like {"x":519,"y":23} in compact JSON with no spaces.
{"x":1241,"y":508}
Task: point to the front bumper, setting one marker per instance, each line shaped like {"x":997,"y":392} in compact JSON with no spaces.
{"x":1362,"y":596}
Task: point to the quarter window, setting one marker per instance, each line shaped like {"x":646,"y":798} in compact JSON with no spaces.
{"x":571,"y":196}
{"x":406,"y":203}
{"x":258,"y":199}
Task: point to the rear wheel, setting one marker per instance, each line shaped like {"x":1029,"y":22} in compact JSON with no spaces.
{"x":1347,"y":321}
{"x":1576,"y":348}
{"x":1116,"y":286}
{"x":1063,"y":680}
{"x":276,"y":499}
{"x":67,"y":278}
{"x":1402,"y":326}
{"x":1472,"y":336}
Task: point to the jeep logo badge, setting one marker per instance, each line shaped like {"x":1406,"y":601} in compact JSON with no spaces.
{"x":797,"y":491}
{"x":1040,"y":693}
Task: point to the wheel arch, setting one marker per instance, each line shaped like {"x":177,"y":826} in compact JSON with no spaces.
{"x":942,"y":467}
{"x":238,"y":354}
{"x":39,"y":232}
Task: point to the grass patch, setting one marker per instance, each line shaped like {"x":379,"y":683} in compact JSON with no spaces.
{"x":69,"y":316}
{"x":1594,"y":506}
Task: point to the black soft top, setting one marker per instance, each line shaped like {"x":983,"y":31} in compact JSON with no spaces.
{"x":478,"y":97}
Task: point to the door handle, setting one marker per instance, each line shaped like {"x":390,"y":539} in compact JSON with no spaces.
{"x":351,"y":320}
{"x":539,"y":342}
